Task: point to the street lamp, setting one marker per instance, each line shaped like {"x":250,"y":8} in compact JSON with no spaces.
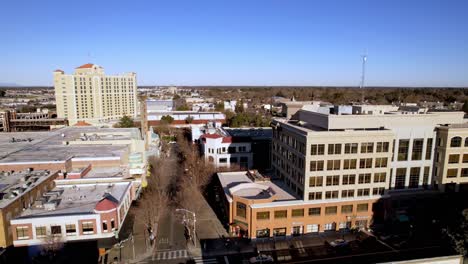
{"x":194,"y":223}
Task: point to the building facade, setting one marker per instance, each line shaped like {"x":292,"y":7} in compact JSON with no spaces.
{"x":91,"y":96}
{"x":451,"y":159}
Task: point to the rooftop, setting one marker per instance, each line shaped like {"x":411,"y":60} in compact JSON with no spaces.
{"x":252,"y":185}
{"x":75,"y":199}
{"x":13,"y":185}
{"x":51,"y":145}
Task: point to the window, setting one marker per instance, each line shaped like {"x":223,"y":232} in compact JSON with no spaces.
{"x":464,"y":172}
{"x":429,"y":148}
{"x":334,"y":149}
{"x":279,"y":231}
{"x":380,"y":176}
{"x":329,"y":226}
{"x":104,"y":226}
{"x":382,"y":146}
{"x":362,"y":207}
{"x":317,"y":149}
{"x":233,"y":160}
{"x":403,"y":147}
{"x":263,"y":215}
{"x":241,"y":209}
{"x":56,"y":230}
{"x":454,"y":158}
{"x":351,"y":148}
{"x":22,"y":232}
{"x":315,"y":181}
{"x":333,"y":164}
{"x":41,"y":231}
{"x":263,"y":232}
{"x":281,"y":214}
{"x":313,"y":228}
{"x":87,"y":227}
{"x":367,"y":147}
{"x":345,"y":209}
{"x":466,"y":142}
{"x":331,"y":194}
{"x":414,"y":177}
{"x":465,"y":158}
{"x":70,"y":229}
{"x":378,"y":191}
{"x":333,"y":180}
{"x":363,"y":192}
{"x":316,"y":165}
{"x":452,"y":173}
{"x":347,"y":193}
{"x":223,"y":160}
{"x":315,"y":211}
{"x":331,"y":210}
{"x":349,"y":164}
{"x":364,"y":178}
{"x":455,"y":142}
{"x":365,"y":163}
{"x":349,"y":179}
{"x":416,"y":154}
{"x":426,"y":176}
{"x":381,"y":162}
{"x":315,"y":196}
{"x":297,"y":212}
{"x":400,"y":178}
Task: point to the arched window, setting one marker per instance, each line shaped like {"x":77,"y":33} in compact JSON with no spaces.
{"x":210,"y":159}
{"x":466,"y":142}
{"x":456,"y":142}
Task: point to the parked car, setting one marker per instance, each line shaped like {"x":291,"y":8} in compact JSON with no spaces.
{"x":338,"y":243}
{"x":262,"y":259}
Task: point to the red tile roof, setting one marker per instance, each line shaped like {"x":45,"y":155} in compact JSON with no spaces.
{"x":58,"y":70}
{"x":211,"y":136}
{"x":81,"y":123}
{"x":85,"y":66}
{"x":105,"y":205}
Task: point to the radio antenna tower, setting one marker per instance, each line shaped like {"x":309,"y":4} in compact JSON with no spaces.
{"x":363,"y":75}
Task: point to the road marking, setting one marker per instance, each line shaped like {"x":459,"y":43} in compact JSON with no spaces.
{"x":226,"y":259}
{"x":201,"y":260}
{"x":174,"y":254}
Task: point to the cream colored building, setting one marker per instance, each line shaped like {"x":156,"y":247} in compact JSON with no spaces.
{"x":91,"y":96}
{"x":451,"y":161}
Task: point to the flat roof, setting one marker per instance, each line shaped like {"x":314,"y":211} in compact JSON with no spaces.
{"x":75,"y":199}
{"x":14,"y":185}
{"x":49,"y":146}
{"x":244,"y":186}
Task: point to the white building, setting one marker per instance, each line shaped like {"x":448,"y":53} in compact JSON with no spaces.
{"x":230,"y":105}
{"x":73,"y":213}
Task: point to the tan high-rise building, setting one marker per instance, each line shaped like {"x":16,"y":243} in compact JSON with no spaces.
{"x":91,"y":96}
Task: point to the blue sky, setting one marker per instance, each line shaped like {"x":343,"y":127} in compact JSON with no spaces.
{"x":251,"y":42}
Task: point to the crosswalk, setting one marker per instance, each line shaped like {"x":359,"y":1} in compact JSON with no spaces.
{"x":201,"y":260}
{"x":174,"y":254}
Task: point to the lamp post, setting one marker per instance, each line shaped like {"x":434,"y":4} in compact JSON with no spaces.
{"x":194,"y":223}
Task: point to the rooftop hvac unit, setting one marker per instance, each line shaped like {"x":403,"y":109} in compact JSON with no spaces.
{"x":51,"y":205}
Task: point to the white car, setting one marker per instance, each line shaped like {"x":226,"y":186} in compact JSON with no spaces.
{"x":262,"y":259}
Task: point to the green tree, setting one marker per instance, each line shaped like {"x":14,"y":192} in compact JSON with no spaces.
{"x":219,"y":106}
{"x":167,"y":119}
{"x":465,"y":107}
{"x":239,"y":107}
{"x":189,"y":120}
{"x":183,"y":107}
{"x":125,"y":121}
{"x":2,"y":93}
{"x":176,"y":97}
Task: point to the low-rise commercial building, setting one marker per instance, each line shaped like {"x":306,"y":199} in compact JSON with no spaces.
{"x":73,"y":212}
{"x":239,"y":148}
{"x":18,"y":190}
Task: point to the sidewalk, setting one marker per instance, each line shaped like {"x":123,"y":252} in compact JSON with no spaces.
{"x":135,"y":248}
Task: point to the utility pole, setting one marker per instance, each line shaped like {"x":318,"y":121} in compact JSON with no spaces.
{"x":363,"y":75}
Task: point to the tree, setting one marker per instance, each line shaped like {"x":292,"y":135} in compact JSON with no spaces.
{"x":176,"y":97}
{"x":183,"y":107}
{"x":167,"y":119}
{"x":189,"y":120}
{"x":219,"y":106}
{"x":125,"y":121}
{"x":2,"y":93}
{"x":465,"y":107}
{"x":239,"y":107}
